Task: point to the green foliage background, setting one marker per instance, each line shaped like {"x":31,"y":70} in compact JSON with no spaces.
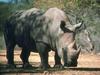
{"x":86,"y":10}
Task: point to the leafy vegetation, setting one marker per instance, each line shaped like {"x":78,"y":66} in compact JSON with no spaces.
{"x":87,"y":11}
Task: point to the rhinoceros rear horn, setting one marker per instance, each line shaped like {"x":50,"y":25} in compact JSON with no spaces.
{"x":79,"y":50}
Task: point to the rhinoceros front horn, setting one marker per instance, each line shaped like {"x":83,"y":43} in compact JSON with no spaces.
{"x":73,"y":28}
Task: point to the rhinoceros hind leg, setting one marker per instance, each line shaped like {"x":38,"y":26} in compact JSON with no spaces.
{"x":11,"y":66}
{"x":24,"y":57}
{"x":10,"y":54}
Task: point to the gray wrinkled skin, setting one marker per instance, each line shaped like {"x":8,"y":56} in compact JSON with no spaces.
{"x":34,"y":30}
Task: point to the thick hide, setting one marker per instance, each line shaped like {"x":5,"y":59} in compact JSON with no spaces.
{"x":37,"y":31}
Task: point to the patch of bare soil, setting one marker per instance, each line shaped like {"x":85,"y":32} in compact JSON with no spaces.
{"x":88,"y":64}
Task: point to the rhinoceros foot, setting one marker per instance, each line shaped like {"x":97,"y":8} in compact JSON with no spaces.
{"x":11,"y":66}
{"x":60,"y":66}
{"x":27,"y":65}
{"x":44,"y":67}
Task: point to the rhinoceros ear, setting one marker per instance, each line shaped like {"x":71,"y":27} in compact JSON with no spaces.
{"x":78,"y":25}
{"x":63,"y":26}
{"x":74,"y":27}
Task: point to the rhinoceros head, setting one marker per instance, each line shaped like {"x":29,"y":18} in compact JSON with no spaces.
{"x":71,"y":55}
{"x":69,"y":49}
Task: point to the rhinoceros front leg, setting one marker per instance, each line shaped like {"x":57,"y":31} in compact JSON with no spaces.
{"x":43,"y":52}
{"x":57,"y":61}
{"x":24,"y":56}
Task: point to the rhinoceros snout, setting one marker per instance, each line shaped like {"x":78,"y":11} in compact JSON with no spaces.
{"x":71,"y":64}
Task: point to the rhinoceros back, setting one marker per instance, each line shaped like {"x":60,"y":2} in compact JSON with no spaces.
{"x":18,"y":26}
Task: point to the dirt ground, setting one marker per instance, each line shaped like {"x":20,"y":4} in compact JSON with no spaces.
{"x":88,"y":64}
